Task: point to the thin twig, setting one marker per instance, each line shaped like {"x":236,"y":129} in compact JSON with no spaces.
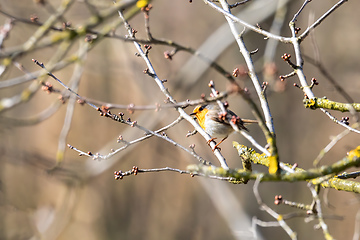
{"x":322,"y":18}
{"x":332,"y":143}
{"x":349,"y":175}
{"x":328,"y":76}
{"x":270,"y":211}
{"x":253,"y":28}
{"x":149,"y":133}
{"x":40,"y":64}
{"x":135,"y":170}
{"x":293,"y":20}
{"x":238,"y":3}
{"x":319,"y":212}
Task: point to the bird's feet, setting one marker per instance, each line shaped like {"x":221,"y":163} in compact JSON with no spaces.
{"x":216,"y":146}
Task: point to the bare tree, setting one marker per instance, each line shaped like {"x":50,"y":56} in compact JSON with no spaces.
{"x":122,"y":80}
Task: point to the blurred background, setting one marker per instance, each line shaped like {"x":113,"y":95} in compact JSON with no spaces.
{"x":80,"y":198}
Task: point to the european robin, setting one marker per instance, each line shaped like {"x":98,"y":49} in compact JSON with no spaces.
{"x":215,"y":123}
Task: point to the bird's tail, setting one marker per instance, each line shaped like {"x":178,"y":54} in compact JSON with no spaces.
{"x":249,"y":121}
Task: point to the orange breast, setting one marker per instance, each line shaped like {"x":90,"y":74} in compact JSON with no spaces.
{"x":201,"y":118}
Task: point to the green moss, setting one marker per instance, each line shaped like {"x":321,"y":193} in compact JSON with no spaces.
{"x":328,"y":104}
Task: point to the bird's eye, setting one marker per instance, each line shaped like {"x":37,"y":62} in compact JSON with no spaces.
{"x":202,"y":108}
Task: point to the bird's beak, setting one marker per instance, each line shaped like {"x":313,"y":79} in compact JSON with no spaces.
{"x":192,"y":114}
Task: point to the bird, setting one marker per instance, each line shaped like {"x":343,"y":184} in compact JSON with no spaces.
{"x":215,"y":123}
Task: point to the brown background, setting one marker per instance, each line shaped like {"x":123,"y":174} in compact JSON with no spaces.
{"x":83,"y":201}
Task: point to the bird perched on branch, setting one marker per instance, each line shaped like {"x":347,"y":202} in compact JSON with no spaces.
{"x":216,"y":123}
